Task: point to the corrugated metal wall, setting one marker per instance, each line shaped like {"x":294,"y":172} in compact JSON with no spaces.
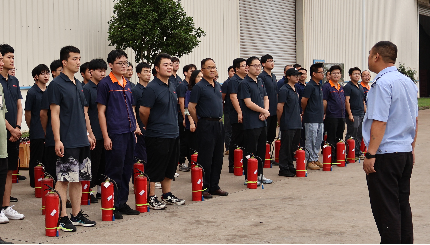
{"x":333,"y":30}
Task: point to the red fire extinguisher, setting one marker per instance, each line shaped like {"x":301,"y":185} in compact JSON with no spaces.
{"x":327,"y":158}
{"x":340,"y":153}
{"x":15,"y":174}
{"x":267,"y":160}
{"x":52,"y":213}
{"x":277,"y":149}
{"x":107,"y":200}
{"x":39,"y":172}
{"x":351,"y":150}
{"x":194,"y":158}
{"x":301,"y":163}
{"x":197,"y":183}
{"x":85,"y":199}
{"x":252,"y":173}
{"x":363,"y":147}
{"x":136,"y":167}
{"x":141,"y":195}
{"x":238,"y":162}
{"x":46,"y":182}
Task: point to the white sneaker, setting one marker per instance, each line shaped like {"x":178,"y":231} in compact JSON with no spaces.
{"x":3,"y":218}
{"x":176,"y":175}
{"x":157,"y":185}
{"x":265,"y":180}
{"x":13,"y":214}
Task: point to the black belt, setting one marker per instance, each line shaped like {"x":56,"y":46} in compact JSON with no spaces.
{"x":218,"y":119}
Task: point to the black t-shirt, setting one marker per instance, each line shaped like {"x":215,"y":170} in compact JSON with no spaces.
{"x":208,"y":99}
{"x":49,"y":138}
{"x":90,"y":92}
{"x":12,"y":93}
{"x":271,"y":86}
{"x":233,"y":88}
{"x":33,"y":102}
{"x":256,"y":91}
{"x":314,"y":111}
{"x":356,"y":99}
{"x":137,"y":92}
{"x":290,"y":118}
{"x":227,"y":101}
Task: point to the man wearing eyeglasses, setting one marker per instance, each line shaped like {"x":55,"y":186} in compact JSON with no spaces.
{"x":118,"y":125}
{"x":365,"y":79}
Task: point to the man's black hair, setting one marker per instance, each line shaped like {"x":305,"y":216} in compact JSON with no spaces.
{"x":303,"y":69}
{"x":296,"y":66}
{"x":95,"y":64}
{"x":84,"y":67}
{"x":327,"y":72}
{"x":115,"y":54}
{"x":335,"y":67}
{"x":142,"y":65}
{"x":129,"y":64}
{"x":39,"y":69}
{"x":266,"y":57}
{"x":351,"y":70}
{"x":159,"y":57}
{"x":386,"y":49}
{"x":174,"y":59}
{"x":55,"y":65}
{"x":236,"y":63}
{"x":203,"y":62}
{"x":251,"y":59}
{"x":65,"y":52}
{"x":230,"y":67}
{"x":6,"y":48}
{"x":193,"y":79}
{"x":188,"y":67}
{"x":315,"y":67}
{"x":285,"y":68}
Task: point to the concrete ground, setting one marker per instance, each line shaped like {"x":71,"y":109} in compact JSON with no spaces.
{"x":325,"y":207}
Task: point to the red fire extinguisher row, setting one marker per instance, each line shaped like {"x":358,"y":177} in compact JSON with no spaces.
{"x":45,"y":189}
{"x":39,"y":172}
{"x":252,"y":173}
{"x":52,"y":213}
{"x":301,"y":163}
{"x":238,"y":162}
{"x":340,"y":153}
{"x":277,"y":149}
{"x":327,"y":158}
{"x":197,"y":183}
{"x":141,"y":195}
{"x":85,"y":198}
{"x":107,"y":200}
{"x":351,"y":150}
{"x":267,"y":159}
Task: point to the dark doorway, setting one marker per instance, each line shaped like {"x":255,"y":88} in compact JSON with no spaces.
{"x":424,"y":54}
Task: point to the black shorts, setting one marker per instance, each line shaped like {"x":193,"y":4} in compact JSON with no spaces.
{"x":75,"y":165}
{"x":163,"y":157}
{"x":12,"y":155}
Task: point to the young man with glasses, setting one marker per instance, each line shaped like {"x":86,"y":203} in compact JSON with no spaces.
{"x":118,"y":125}
{"x":205,"y":108}
{"x":255,"y":105}
{"x":300,"y":88}
{"x":334,"y":108}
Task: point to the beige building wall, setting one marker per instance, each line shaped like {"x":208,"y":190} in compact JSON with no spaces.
{"x":335,"y":31}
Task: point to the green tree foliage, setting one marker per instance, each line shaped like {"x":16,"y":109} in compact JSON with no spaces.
{"x":153,"y":26}
{"x":407,"y":71}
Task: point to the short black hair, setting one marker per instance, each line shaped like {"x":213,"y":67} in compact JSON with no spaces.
{"x":335,"y":67}
{"x":174,"y":59}
{"x":159,"y":57}
{"x":303,"y":69}
{"x":193,"y":79}
{"x":327,"y":72}
{"x":354,"y":69}
{"x":296,"y":66}
{"x":203,"y":62}
{"x":266,"y":57}
{"x":39,"y":69}
{"x":230,"y":67}
{"x":188,"y":67}
{"x":95,"y":64}
{"x":84,"y":67}
{"x":6,"y":48}
{"x":386,"y":49}
{"x":285,"y":67}
{"x":236,"y":63}
{"x":129,"y":64}
{"x":314,"y":68}
{"x":55,"y":65}
{"x":115,"y":54}
{"x":251,"y":59}
{"x":65,"y":52}
{"x":142,"y":65}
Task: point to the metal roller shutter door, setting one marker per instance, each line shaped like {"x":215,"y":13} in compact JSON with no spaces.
{"x":424,"y":10}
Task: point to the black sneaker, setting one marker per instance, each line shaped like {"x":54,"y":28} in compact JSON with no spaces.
{"x":68,"y":204}
{"x":117,"y":214}
{"x":21,"y":177}
{"x":82,"y":219}
{"x":93,"y":199}
{"x":155,"y":204}
{"x":125,"y":209}
{"x":292,"y":170}
{"x":286,"y":173}
{"x":171,"y":199}
{"x":274,"y":163}
{"x":13,"y":199}
{"x":99,"y":196}
{"x":66,"y":225}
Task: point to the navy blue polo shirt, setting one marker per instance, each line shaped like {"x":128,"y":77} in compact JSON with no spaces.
{"x":271,"y":89}
{"x":175,"y":80}
{"x":300,"y":88}
{"x":71,"y":99}
{"x":335,"y":97}
{"x":290,"y":118}
{"x":366,"y":90}
{"x":49,"y":138}
{"x":33,"y":103}
{"x":314,"y":111}
{"x":181,"y":89}
{"x":208,"y":99}
{"x":118,"y":101}
{"x":227,"y":101}
{"x":256,"y":92}
{"x":356,"y":99}
{"x":233,"y":88}
{"x":163,"y":117}
{"x":12,"y":93}
{"x":90,"y":92}
{"x":137,"y":92}
{"x":281,"y":82}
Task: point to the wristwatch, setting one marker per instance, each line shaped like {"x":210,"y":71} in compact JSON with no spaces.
{"x":368,"y":155}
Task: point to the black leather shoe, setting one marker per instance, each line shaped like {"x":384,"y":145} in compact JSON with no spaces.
{"x":21,"y":177}
{"x":93,"y":199}
{"x":117,"y":214}
{"x":286,"y":173}
{"x":206,"y":194}
{"x":13,"y":199}
{"x":125,"y":209}
{"x":219,"y":192}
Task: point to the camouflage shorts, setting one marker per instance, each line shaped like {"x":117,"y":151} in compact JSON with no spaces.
{"x":75,"y":166}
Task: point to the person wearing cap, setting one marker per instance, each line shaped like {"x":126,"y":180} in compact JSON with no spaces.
{"x":288,"y":113}
{"x":282,"y":81}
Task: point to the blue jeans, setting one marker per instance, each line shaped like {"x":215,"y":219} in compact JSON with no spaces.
{"x":314,"y":136}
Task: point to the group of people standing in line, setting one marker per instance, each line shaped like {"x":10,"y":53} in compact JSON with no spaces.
{"x":100,"y":127}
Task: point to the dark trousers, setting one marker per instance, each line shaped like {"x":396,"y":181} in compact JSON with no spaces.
{"x":335,"y":128}
{"x":3,"y":174}
{"x":183,"y":143}
{"x":227,"y":130}
{"x":98,"y":163}
{"x":193,"y":143}
{"x":272,"y":124}
{"x":211,"y":146}
{"x":289,"y":144}
{"x":255,"y":144}
{"x":50,"y":161}
{"x":140,"y":149}
{"x":119,"y":164}
{"x":302,"y":135}
{"x":353,"y":129}
{"x":389,"y":189}
{"x":236,"y":141}
{"x":37,"y":147}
